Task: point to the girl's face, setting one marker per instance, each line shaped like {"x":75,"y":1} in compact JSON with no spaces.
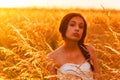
{"x":75,"y":29}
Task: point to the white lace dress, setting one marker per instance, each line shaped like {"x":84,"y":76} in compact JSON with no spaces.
{"x":70,"y":71}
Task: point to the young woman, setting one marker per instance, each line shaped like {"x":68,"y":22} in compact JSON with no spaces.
{"x":74,"y":60}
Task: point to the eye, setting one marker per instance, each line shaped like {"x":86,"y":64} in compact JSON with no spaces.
{"x":81,"y":26}
{"x":72,"y":24}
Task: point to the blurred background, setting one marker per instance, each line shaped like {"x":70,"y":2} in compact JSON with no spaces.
{"x":29,"y":31}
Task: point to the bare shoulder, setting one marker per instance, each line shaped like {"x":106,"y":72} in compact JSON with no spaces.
{"x":91,"y":50}
{"x":53,"y":54}
{"x":90,"y":47}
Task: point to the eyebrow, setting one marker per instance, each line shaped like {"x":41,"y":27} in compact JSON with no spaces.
{"x":75,"y":22}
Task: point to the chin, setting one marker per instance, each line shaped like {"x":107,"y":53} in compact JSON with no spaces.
{"x":76,"y":40}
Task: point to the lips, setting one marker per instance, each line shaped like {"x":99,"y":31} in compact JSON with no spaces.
{"x":76,"y":34}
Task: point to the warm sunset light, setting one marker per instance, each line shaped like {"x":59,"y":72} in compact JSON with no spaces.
{"x":29,"y":31}
{"x":112,"y":4}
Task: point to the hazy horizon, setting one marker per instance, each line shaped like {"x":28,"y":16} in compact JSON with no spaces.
{"x":85,"y":4}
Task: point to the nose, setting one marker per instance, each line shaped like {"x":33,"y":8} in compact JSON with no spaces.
{"x":77,"y":28}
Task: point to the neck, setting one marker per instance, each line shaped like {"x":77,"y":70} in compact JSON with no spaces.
{"x":71,"y":45}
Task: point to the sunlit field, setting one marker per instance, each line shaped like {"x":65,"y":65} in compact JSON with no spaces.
{"x":28,"y":35}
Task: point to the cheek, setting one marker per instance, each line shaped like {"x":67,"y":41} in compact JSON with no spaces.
{"x":68,"y":33}
{"x":81,"y":31}
{"x":69,"y":29}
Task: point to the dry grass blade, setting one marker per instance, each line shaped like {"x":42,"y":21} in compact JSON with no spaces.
{"x":113,"y":50}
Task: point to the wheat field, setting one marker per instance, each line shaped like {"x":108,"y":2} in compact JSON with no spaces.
{"x":27,"y":35}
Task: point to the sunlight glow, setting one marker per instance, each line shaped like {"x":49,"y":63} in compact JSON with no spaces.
{"x":114,"y":4}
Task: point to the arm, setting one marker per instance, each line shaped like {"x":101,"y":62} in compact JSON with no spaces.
{"x":51,"y":67}
{"x":94,"y":61}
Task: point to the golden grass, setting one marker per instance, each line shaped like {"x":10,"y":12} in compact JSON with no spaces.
{"x":27,"y":35}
